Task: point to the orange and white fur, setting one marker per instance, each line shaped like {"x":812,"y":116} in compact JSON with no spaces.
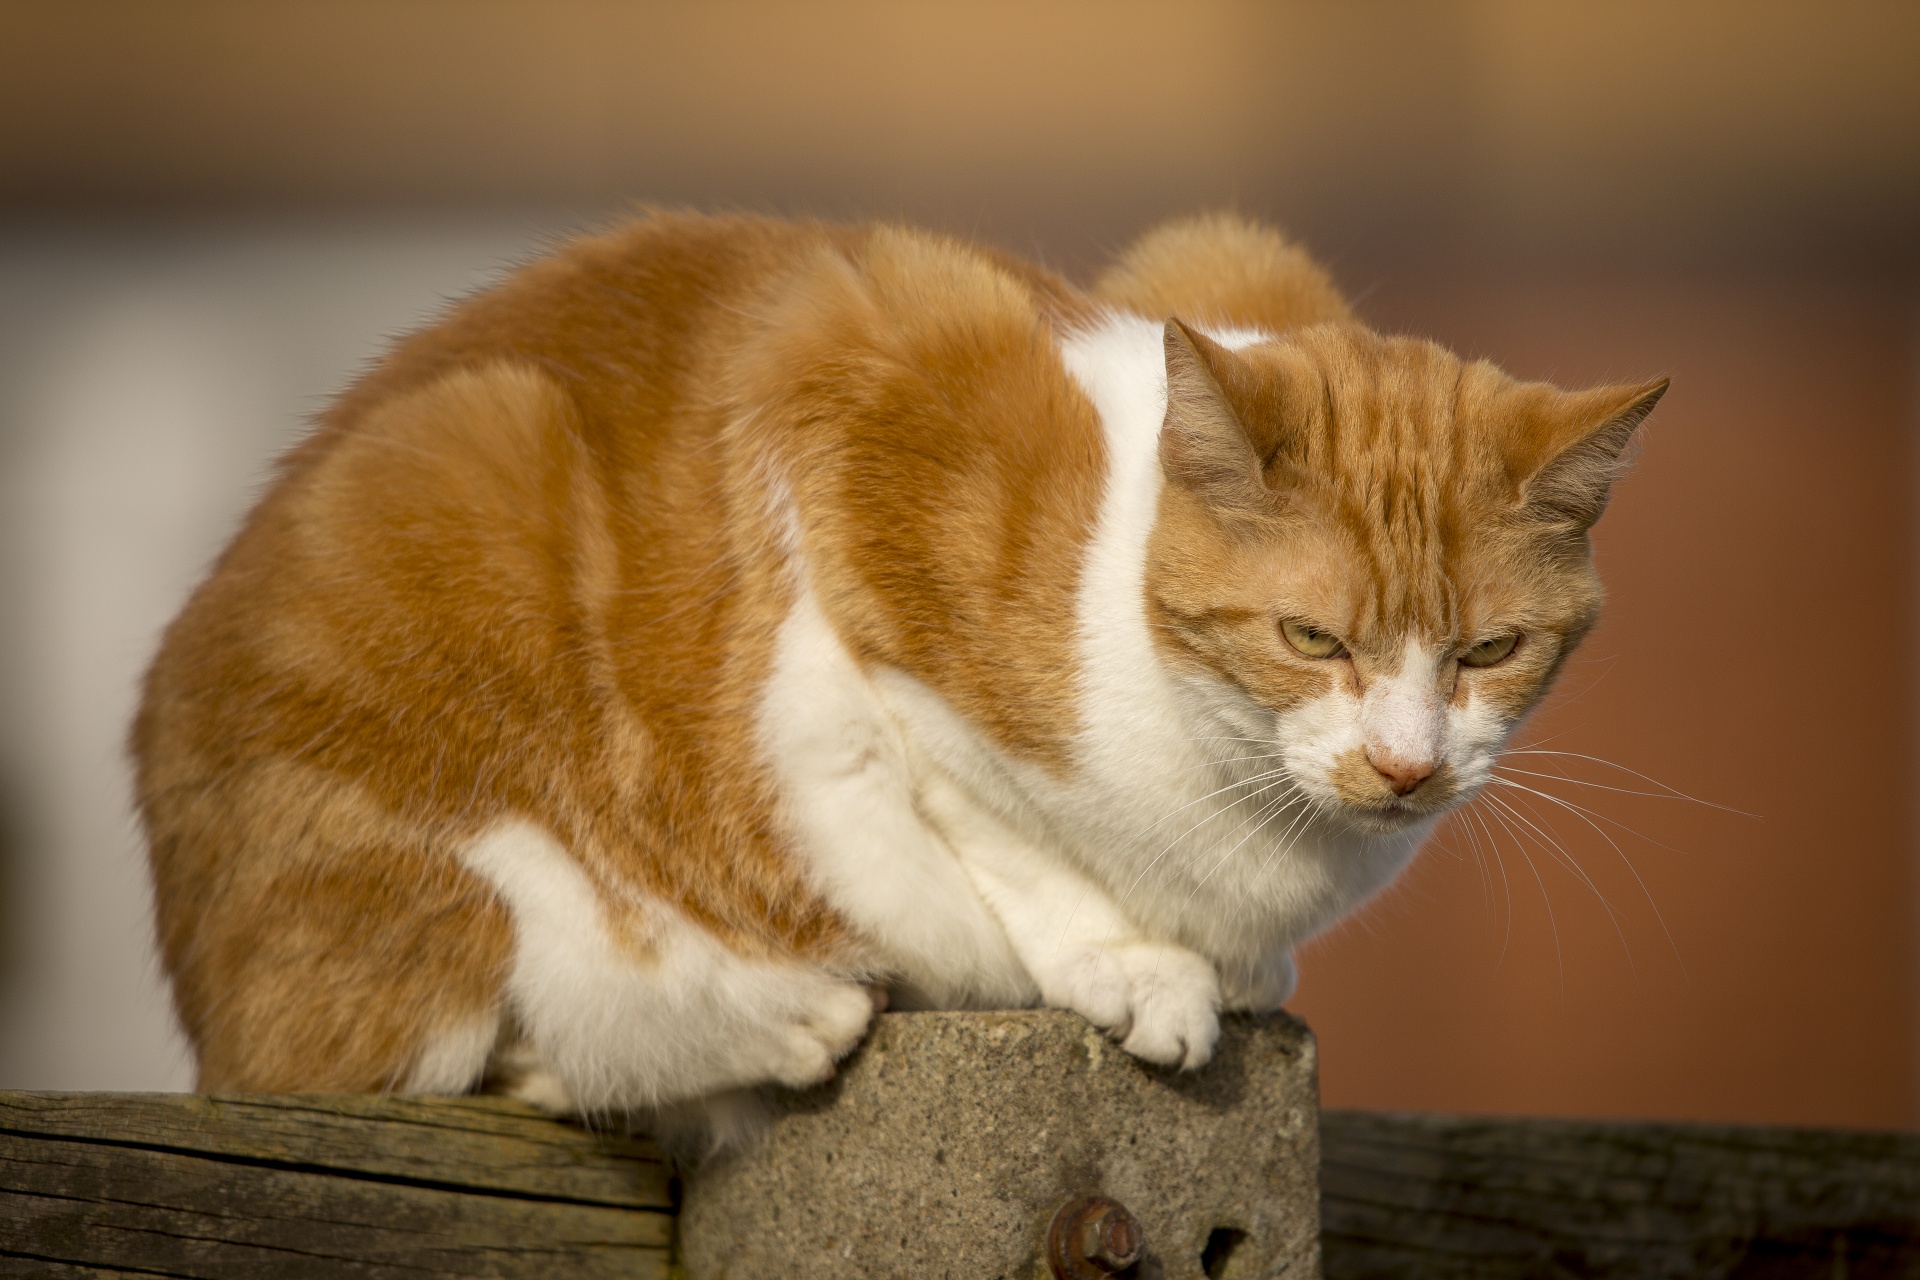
{"x":725,"y":622}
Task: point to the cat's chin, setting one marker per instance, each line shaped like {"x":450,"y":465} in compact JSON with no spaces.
{"x":1386,"y":820}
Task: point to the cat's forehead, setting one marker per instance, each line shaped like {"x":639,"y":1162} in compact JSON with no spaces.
{"x":1396,"y":432}
{"x":1364,"y":398}
{"x":1399,"y":483}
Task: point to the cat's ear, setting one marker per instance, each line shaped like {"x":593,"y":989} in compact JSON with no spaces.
{"x":1595,"y":429}
{"x":1205,"y":445}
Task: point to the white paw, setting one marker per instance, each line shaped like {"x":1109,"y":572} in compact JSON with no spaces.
{"x":805,"y":1050}
{"x":518,"y":1071}
{"x":1161,"y":1002}
{"x":1260,"y":987}
{"x":545,"y":1091}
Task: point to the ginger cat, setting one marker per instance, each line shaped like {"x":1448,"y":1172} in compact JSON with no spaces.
{"x":726,"y":623}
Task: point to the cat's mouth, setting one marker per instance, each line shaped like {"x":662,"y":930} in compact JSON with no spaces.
{"x":1372,"y":802}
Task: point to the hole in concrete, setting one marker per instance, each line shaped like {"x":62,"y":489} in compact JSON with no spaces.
{"x":1221,"y":1243}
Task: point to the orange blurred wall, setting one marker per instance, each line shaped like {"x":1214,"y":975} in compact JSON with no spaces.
{"x":1756,"y":653}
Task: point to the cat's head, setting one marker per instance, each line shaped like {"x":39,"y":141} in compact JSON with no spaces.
{"x":1375,"y":554}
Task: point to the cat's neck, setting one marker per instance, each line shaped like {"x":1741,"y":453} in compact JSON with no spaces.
{"x":1168,"y":783}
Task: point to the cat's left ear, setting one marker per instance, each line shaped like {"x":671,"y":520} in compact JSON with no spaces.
{"x":1596,"y":427}
{"x":1210,"y":443}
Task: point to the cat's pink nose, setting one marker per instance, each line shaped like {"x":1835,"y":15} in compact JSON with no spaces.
{"x":1403,"y":776}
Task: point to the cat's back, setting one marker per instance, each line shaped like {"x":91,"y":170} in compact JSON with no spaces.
{"x":620,"y":320}
{"x":454,"y":478}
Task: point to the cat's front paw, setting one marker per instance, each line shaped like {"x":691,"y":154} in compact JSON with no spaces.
{"x":805,"y":1050}
{"x":1160,"y":1002}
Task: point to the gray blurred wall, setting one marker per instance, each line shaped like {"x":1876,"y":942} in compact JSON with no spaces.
{"x":147,"y":381}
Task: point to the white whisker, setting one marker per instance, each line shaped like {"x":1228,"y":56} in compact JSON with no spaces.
{"x":1587,"y":816}
{"x":1666,"y":792}
{"x":1264,"y":817}
{"x":1217,"y":812}
{"x":1559,"y":960}
{"x":1559,"y":852}
{"x":1506,"y":885}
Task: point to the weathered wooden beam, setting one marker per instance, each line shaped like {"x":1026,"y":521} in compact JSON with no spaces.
{"x":173,"y":1185}
{"x":322,"y":1185}
{"x":1440,"y":1197}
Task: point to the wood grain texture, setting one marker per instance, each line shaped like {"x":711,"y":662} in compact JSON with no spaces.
{"x":1440,"y":1196}
{"x":359,"y":1186}
{"x":306,"y":1185}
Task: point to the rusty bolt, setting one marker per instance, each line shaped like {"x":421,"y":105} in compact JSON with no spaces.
{"x":1111,"y":1240}
{"x":1093,"y":1237}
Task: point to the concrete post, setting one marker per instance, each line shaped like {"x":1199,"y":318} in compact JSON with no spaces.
{"x":950,"y":1140}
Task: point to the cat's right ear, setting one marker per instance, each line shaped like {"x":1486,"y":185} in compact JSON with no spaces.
{"x":1204,"y":444}
{"x":1592,"y":430}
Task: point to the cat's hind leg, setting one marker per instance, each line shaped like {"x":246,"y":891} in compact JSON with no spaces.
{"x":631,"y":1006}
{"x":324,"y":946}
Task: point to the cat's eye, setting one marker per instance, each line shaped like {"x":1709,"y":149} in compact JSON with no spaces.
{"x":1488,"y":652}
{"x":1312,"y":641}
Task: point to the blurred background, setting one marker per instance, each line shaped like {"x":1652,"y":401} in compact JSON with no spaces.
{"x":213,"y":213}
